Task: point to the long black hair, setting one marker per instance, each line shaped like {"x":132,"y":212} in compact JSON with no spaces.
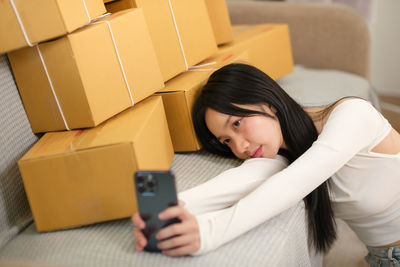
{"x":237,"y":84}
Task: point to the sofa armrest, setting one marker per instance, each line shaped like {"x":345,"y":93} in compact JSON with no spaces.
{"x":323,"y":36}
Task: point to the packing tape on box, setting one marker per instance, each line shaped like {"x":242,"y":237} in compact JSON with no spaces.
{"x":202,"y":69}
{"x":21,"y":24}
{"x":86,"y":10}
{"x":177,"y":33}
{"x":52,"y":87}
{"x":201,"y":66}
{"x":119,"y":58}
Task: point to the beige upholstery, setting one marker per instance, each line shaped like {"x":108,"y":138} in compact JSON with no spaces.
{"x":323,"y":36}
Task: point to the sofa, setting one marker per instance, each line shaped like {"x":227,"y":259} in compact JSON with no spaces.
{"x":331,"y":53}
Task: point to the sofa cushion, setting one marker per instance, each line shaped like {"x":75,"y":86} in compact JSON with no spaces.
{"x":16,"y":138}
{"x":318,"y":87}
{"x":112,"y":243}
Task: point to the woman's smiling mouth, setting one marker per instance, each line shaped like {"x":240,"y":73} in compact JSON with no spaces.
{"x":257,"y":153}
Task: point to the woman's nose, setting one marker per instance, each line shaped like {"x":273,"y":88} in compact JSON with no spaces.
{"x":241,"y":146}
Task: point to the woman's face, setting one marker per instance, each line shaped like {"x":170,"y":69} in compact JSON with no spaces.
{"x":257,"y":136}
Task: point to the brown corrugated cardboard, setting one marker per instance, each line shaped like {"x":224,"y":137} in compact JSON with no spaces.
{"x":81,"y":177}
{"x":220,"y":21}
{"x":172,"y":23}
{"x":268,"y":46}
{"x":180,"y":93}
{"x":86,"y":74}
{"x":43,"y":20}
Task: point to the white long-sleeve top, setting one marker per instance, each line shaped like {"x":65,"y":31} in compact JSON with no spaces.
{"x":365,"y":185}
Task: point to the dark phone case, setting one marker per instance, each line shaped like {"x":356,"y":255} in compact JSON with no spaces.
{"x":154,"y":199}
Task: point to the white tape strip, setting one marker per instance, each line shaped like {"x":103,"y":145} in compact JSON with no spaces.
{"x":202,"y":65}
{"x":87,"y":11}
{"x":100,"y":17}
{"x":177,"y":33}
{"x":21,"y":25}
{"x":52,"y":87}
{"x":119,"y":58}
{"x":201,"y":69}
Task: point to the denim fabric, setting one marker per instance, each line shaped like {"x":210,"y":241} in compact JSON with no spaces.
{"x":383,"y":257}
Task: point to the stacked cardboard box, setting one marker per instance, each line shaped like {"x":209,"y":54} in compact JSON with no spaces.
{"x":24,"y":23}
{"x":85,"y":77}
{"x":220,"y":21}
{"x":181,"y":31}
{"x":80,"y":177}
{"x":268,"y":47}
{"x":89,"y":78}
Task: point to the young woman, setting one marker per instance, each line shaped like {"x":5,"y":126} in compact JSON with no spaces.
{"x":344,"y":160}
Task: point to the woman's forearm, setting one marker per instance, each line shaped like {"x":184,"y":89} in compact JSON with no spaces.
{"x":230,"y":186}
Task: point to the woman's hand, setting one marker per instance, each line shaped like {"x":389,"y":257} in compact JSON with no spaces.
{"x":176,"y":239}
{"x":180,"y":238}
{"x":141,"y":240}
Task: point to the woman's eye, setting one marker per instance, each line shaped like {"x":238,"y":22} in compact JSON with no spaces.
{"x":226,"y":141}
{"x":236,"y":123}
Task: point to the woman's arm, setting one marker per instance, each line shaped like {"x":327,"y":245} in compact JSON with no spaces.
{"x":230,"y":186}
{"x":352,"y":126}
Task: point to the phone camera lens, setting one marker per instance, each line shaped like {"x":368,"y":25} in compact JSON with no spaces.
{"x":151,"y":184}
{"x":140,"y":179}
{"x":141,"y":188}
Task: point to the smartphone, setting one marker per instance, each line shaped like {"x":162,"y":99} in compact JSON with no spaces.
{"x":155,"y":191}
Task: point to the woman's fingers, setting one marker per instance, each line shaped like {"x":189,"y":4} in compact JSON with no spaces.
{"x":138,"y":221}
{"x":141,"y":240}
{"x":186,"y":226}
{"x":174,"y":212}
{"x":180,"y":238}
{"x":178,"y":241}
{"x":181,"y":251}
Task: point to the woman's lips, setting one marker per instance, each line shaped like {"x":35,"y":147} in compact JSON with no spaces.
{"x":257,"y":153}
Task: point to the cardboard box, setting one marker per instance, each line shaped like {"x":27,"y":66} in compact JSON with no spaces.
{"x":81,"y":177}
{"x":86,"y":75}
{"x":43,"y":20}
{"x":172,"y":23}
{"x":268,"y":46}
{"x":180,"y":93}
{"x":220,"y":21}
